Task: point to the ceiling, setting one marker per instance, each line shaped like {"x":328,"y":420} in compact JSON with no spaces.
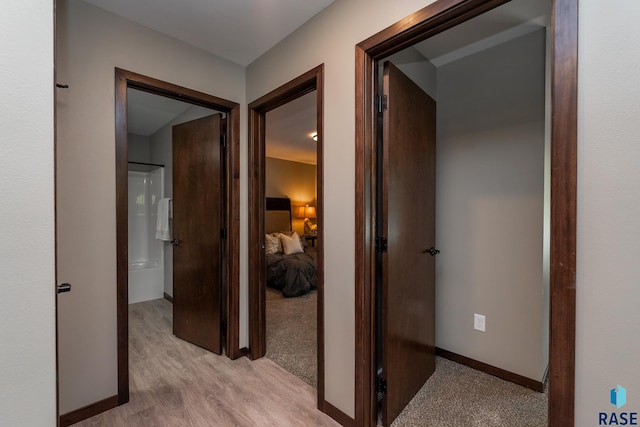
{"x":504,"y":23}
{"x":289,"y":129}
{"x":146,"y":113}
{"x":242,"y":30}
{"x":238,"y":30}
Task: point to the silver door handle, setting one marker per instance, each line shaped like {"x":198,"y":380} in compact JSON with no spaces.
{"x":175,"y":242}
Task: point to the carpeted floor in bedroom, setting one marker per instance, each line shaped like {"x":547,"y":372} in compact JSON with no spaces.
{"x":455,"y":395}
{"x":291,"y":334}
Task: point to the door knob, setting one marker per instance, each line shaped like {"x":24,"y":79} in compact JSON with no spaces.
{"x":433,"y":251}
{"x":64,"y":287}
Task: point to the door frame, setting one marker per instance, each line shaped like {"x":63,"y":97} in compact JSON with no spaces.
{"x":301,"y":85}
{"x":431,"y":20}
{"x":127,"y":79}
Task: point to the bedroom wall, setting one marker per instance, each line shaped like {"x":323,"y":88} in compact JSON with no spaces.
{"x":297,"y":181}
{"x":161,"y":152}
{"x":27,"y":306}
{"x":423,"y":73}
{"x":490,"y":205}
{"x":90,"y":44}
{"x":459,"y":177}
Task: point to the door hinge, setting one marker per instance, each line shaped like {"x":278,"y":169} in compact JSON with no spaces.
{"x":381,"y":103}
{"x":381,"y":244}
{"x":223,"y":326}
{"x":223,"y":233}
{"x":223,"y":140}
{"x":381,"y":385}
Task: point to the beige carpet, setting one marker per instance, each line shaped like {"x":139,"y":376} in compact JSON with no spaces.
{"x":455,"y":395}
{"x":458,"y":396}
{"x":292,"y":334}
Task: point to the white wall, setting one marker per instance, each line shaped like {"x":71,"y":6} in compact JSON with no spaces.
{"x":91,"y":43}
{"x":489,"y":198}
{"x":608,"y":275}
{"x":27,"y":306}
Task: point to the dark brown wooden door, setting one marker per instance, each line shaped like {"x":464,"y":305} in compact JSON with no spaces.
{"x":197,"y":224}
{"x":408,"y":222}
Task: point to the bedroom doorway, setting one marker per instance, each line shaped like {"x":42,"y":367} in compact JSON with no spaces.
{"x":426,"y":23}
{"x":285,"y":228}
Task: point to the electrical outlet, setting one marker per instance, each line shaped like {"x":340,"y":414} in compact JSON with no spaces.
{"x":478,"y":322}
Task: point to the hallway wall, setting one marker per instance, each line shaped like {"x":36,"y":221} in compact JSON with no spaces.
{"x":330,"y":38}
{"x":90,"y":44}
{"x":27,"y":306}
{"x":608,"y":179}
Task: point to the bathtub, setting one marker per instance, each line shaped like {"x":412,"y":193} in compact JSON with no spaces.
{"x":146,"y":281}
{"x":146,"y":253}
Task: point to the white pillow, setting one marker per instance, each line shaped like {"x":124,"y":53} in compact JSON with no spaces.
{"x":271,"y":244}
{"x":291,"y":245}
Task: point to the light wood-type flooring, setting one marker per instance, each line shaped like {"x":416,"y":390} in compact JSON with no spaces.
{"x":173,"y":383}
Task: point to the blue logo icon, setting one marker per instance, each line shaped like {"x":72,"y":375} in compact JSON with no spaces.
{"x":618,"y":396}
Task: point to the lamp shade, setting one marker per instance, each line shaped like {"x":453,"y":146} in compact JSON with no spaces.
{"x":306,"y":212}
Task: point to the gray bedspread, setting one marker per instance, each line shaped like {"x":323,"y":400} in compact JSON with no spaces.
{"x":294,"y":275}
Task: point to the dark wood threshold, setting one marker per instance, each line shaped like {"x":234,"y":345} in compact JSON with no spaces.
{"x":491,"y":370}
{"x":168,"y":297}
{"x":88,"y":411}
{"x":338,"y":415}
{"x":244,"y":352}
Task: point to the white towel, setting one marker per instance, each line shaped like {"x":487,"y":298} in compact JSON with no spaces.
{"x":162,"y":225}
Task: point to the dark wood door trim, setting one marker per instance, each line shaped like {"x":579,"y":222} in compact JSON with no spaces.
{"x":123,"y":80}
{"x":564,"y":161}
{"x":88,"y":411}
{"x":431,"y":20}
{"x":307,"y":82}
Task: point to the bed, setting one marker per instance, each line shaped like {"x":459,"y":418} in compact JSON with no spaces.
{"x":291,"y":269}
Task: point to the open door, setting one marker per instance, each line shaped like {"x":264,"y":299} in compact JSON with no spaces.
{"x":406,"y":246}
{"x":197,"y":231}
